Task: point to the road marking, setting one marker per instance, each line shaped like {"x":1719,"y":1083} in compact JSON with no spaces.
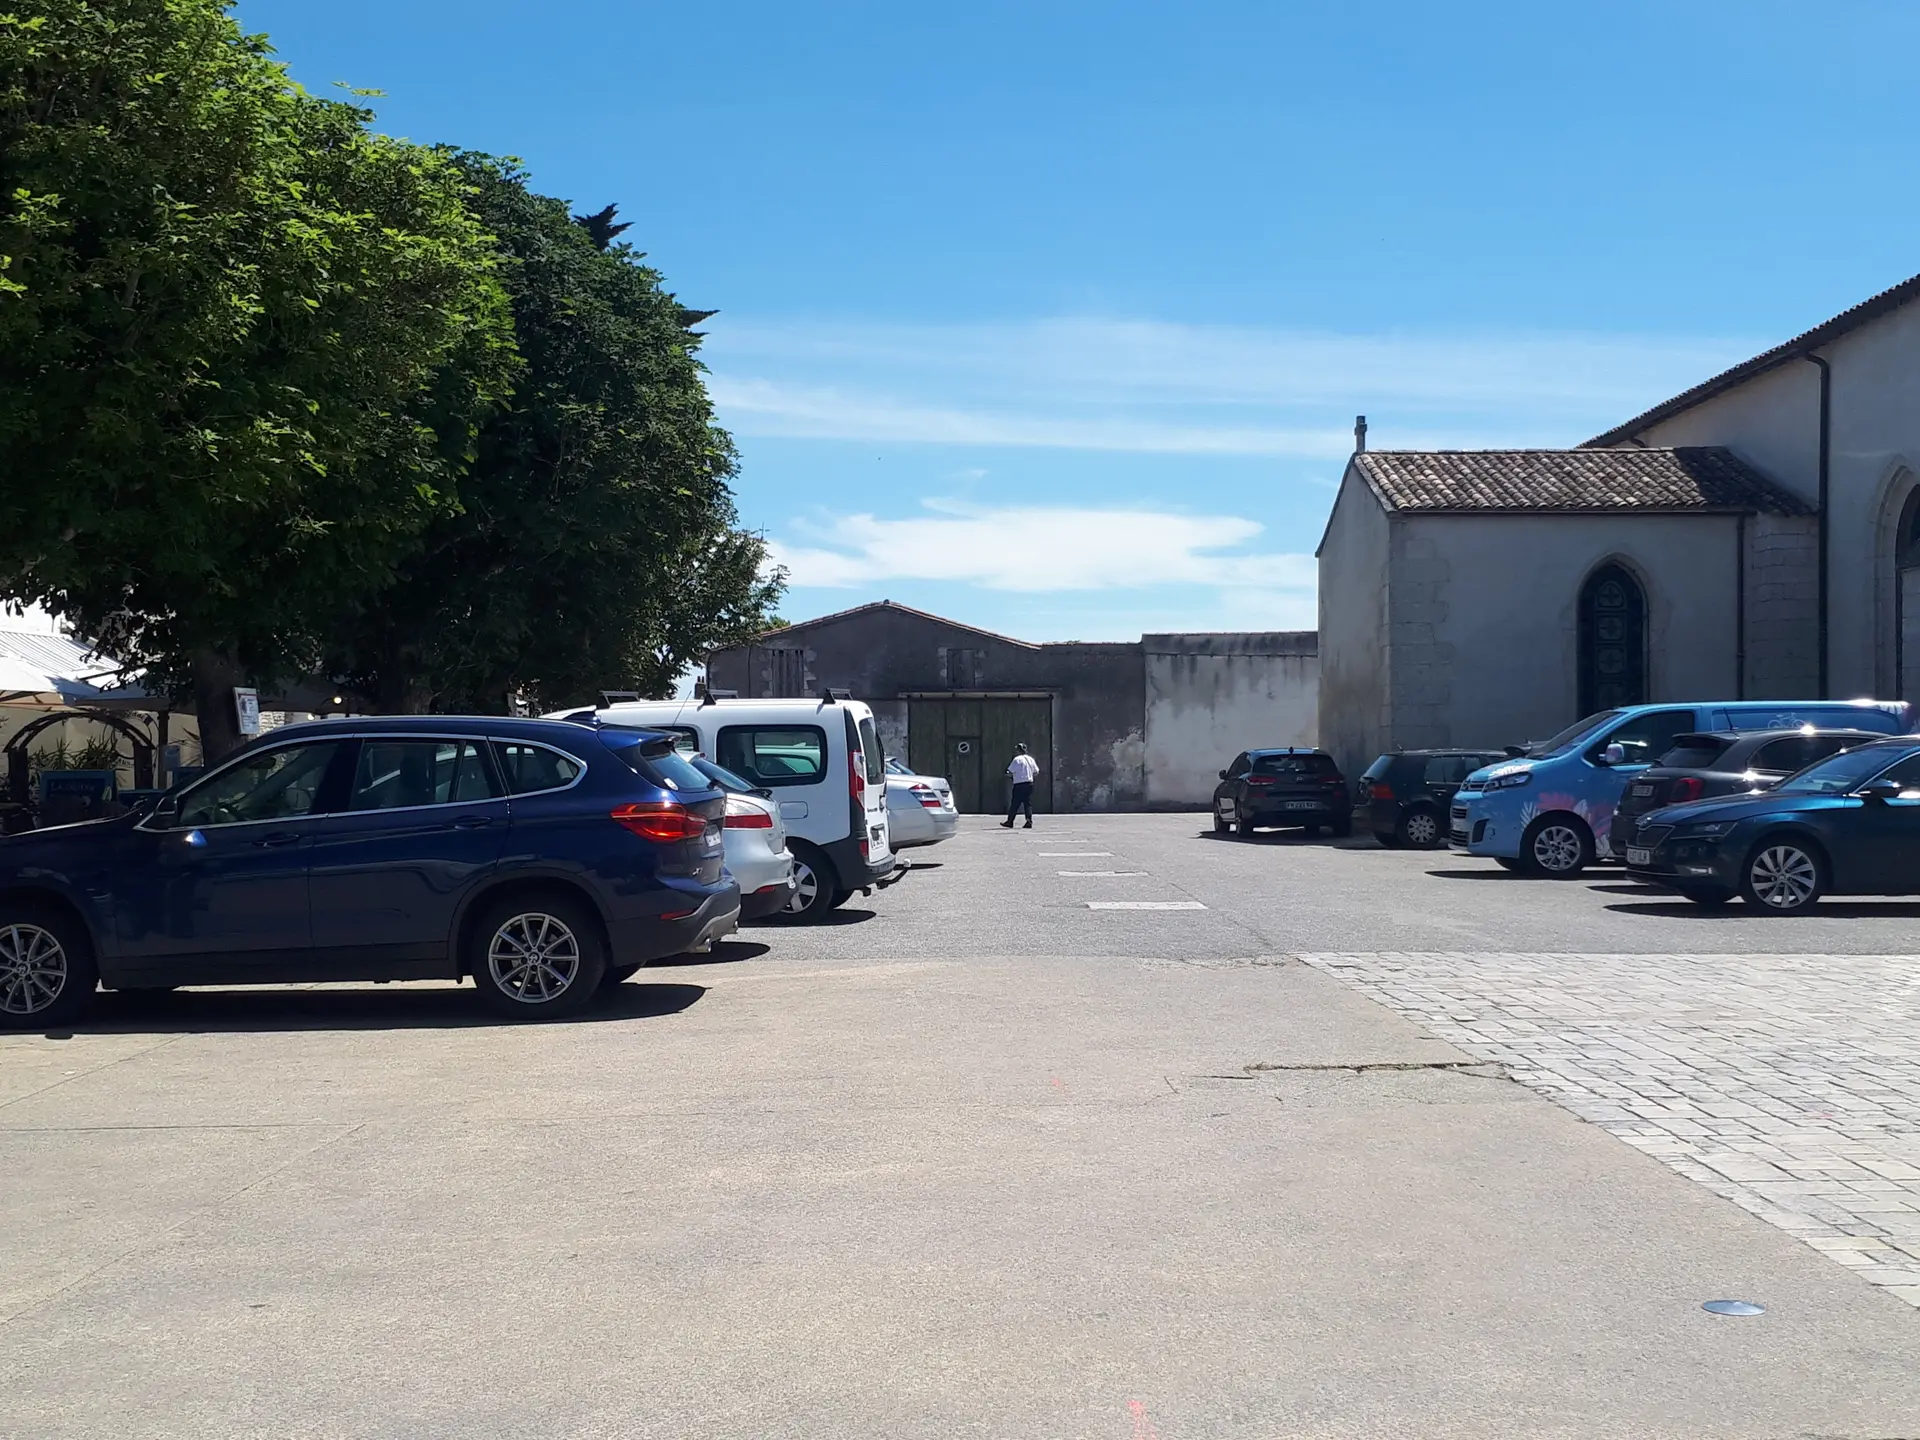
{"x":1076,"y":854}
{"x":1097,"y":874}
{"x":1145,"y":905}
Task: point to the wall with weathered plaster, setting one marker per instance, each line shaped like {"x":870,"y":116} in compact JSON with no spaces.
{"x":1485,"y":637}
{"x":1355,"y":663}
{"x":1782,"y":640}
{"x":1208,"y":697}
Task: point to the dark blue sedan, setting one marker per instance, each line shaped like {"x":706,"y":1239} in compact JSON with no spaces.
{"x":1848,"y":825}
{"x":542,"y":859}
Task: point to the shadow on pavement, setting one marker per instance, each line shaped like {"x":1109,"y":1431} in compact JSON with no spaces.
{"x":1496,"y":873}
{"x":842,"y":916}
{"x":1829,"y":909}
{"x":724,"y":952}
{"x":370,"y":1007}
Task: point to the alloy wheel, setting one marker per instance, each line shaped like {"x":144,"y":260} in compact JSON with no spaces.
{"x":1422,"y":828}
{"x":1784,"y":877}
{"x":533,"y":957}
{"x":1556,"y":849}
{"x":806,"y":888}
{"x":33,"y":969}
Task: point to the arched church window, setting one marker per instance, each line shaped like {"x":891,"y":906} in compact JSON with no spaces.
{"x":1906,"y":599}
{"x":1613,"y":640}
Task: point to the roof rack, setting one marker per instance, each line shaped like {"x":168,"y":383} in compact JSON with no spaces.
{"x":619,"y":697}
{"x":709,"y":695}
{"x":831,"y":693}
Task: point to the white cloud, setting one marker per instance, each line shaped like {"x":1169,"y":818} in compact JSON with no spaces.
{"x":1152,"y":386}
{"x":767,"y":407}
{"x":1044,"y":548}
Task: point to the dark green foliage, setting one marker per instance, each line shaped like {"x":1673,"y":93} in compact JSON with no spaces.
{"x":596,"y":545}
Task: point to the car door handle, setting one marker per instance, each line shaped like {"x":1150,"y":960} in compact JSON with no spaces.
{"x":472,"y":822}
{"x":278,"y":839}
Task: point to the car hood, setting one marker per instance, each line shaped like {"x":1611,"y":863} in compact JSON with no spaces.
{"x":1725,"y":807}
{"x":1499,"y":767}
{"x":15,"y":849}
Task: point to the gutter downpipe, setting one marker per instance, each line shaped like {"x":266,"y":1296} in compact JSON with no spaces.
{"x":1740,"y":607}
{"x":1826,"y":471}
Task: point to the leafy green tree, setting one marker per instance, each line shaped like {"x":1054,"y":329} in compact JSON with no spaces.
{"x":596,"y":542}
{"x":244,"y":342}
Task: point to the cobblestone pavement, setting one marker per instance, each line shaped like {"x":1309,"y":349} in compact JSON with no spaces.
{"x":1790,"y":1084}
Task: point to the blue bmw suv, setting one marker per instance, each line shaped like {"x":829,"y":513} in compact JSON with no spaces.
{"x":543,"y":859}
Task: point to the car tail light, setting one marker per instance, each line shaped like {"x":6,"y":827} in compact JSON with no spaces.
{"x":856,"y":779}
{"x":749,"y":820}
{"x":926,"y":796}
{"x":660,"y":820}
{"x":1260,"y":784}
{"x":1380,"y":790}
{"x":1687,"y":787}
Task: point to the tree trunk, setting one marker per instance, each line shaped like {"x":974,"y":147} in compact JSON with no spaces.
{"x":214,"y":676}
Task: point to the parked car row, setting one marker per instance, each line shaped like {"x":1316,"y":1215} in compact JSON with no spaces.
{"x":544,"y":859}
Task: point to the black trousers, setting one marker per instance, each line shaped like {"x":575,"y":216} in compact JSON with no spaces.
{"x":1022,"y":800}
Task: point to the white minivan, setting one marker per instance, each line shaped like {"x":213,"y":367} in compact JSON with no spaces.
{"x":821,"y":760}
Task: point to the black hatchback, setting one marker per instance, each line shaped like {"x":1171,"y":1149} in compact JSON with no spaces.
{"x":1407,"y":793}
{"x":1709,"y":764}
{"x":1291,"y":785}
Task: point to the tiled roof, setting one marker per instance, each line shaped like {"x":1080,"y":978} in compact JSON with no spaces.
{"x":1689,"y":477}
{"x":1872,"y":308}
{"x":773,"y":635}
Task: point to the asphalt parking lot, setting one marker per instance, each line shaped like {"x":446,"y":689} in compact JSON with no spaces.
{"x":1372,"y":1143}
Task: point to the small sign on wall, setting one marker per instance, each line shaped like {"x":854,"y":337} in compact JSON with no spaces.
{"x":246,"y":709}
{"x":965,"y":747}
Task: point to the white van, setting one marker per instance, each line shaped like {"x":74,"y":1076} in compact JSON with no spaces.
{"x":821,"y":760}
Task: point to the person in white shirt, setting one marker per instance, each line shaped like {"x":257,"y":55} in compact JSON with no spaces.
{"x":1021,"y":770}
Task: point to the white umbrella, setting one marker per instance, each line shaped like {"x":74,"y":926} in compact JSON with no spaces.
{"x":23,"y":683}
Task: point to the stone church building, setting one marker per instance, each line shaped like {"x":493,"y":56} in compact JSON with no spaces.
{"x":1756,"y":537}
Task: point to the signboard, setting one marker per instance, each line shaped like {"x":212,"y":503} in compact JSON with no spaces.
{"x":246,"y":709}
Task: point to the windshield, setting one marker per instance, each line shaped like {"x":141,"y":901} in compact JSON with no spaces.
{"x":1839,"y":774}
{"x":1572,"y":735}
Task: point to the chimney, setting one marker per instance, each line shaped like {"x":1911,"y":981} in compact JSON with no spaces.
{"x":1359,"y":434}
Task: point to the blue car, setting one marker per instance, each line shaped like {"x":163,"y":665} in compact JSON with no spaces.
{"x":543,"y":859}
{"x":1548,"y":809}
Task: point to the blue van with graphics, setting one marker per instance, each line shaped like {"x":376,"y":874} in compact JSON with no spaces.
{"x":1547,"y":810}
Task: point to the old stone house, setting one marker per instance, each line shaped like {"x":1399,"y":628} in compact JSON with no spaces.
{"x":1755,"y":537}
{"x":1116,"y":726}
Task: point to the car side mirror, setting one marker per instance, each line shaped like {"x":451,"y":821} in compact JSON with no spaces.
{"x":165,"y":812}
{"x":1881,"y":790}
{"x":1223,"y":774}
{"x":1615,"y":754}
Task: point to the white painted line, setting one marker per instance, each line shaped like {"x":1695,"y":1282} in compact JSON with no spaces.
{"x":1076,"y":854}
{"x":1097,"y":874}
{"x":1145,"y":905}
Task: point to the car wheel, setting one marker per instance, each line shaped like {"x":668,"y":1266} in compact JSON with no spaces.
{"x":1421,"y":829}
{"x":1783,"y":876}
{"x":1343,"y":827}
{"x":47,"y":974}
{"x":1709,"y":895}
{"x":1221,"y":825}
{"x":536,"y":957}
{"x":1245,"y":827}
{"x":618,"y":975}
{"x":813,"y":887}
{"x":1309,"y":829}
{"x":1557,"y":847}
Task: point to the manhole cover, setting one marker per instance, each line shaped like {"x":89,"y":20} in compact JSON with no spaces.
{"x":1733,"y":1307}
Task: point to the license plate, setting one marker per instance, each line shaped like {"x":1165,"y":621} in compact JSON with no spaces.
{"x":1639,"y":855}
{"x":1301,"y":805}
{"x":1643,"y":790}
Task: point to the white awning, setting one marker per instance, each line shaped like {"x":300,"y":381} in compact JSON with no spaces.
{"x":49,"y":671}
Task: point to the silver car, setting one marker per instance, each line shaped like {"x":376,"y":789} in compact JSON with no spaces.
{"x":756,"y":843}
{"x":919,"y":808}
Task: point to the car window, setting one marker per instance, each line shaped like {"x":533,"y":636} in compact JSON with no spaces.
{"x":896,"y":767}
{"x":1647,"y":737}
{"x":1449,"y":769}
{"x":1849,"y":717}
{"x":273,"y":785}
{"x":774,"y":754}
{"x":396,"y":774}
{"x":870,"y":748}
{"x":725,"y":779}
{"x":673,"y":769}
{"x":1838,"y":774}
{"x":528,"y":768}
{"x":1795,"y":752}
{"x":1293,"y":765}
{"x":685,"y":738}
{"x":1378,"y":768}
{"x":1697,"y":752}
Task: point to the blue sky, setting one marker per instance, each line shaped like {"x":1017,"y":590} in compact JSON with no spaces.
{"x":1055,"y":317}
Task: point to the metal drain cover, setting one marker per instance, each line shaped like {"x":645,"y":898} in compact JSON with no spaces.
{"x":1733,"y":1307}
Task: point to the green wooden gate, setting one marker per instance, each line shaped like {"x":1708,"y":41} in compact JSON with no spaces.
{"x":971,"y":741}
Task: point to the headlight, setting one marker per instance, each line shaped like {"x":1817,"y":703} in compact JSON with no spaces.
{"x":1702,"y":832}
{"x":1509,"y":780}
